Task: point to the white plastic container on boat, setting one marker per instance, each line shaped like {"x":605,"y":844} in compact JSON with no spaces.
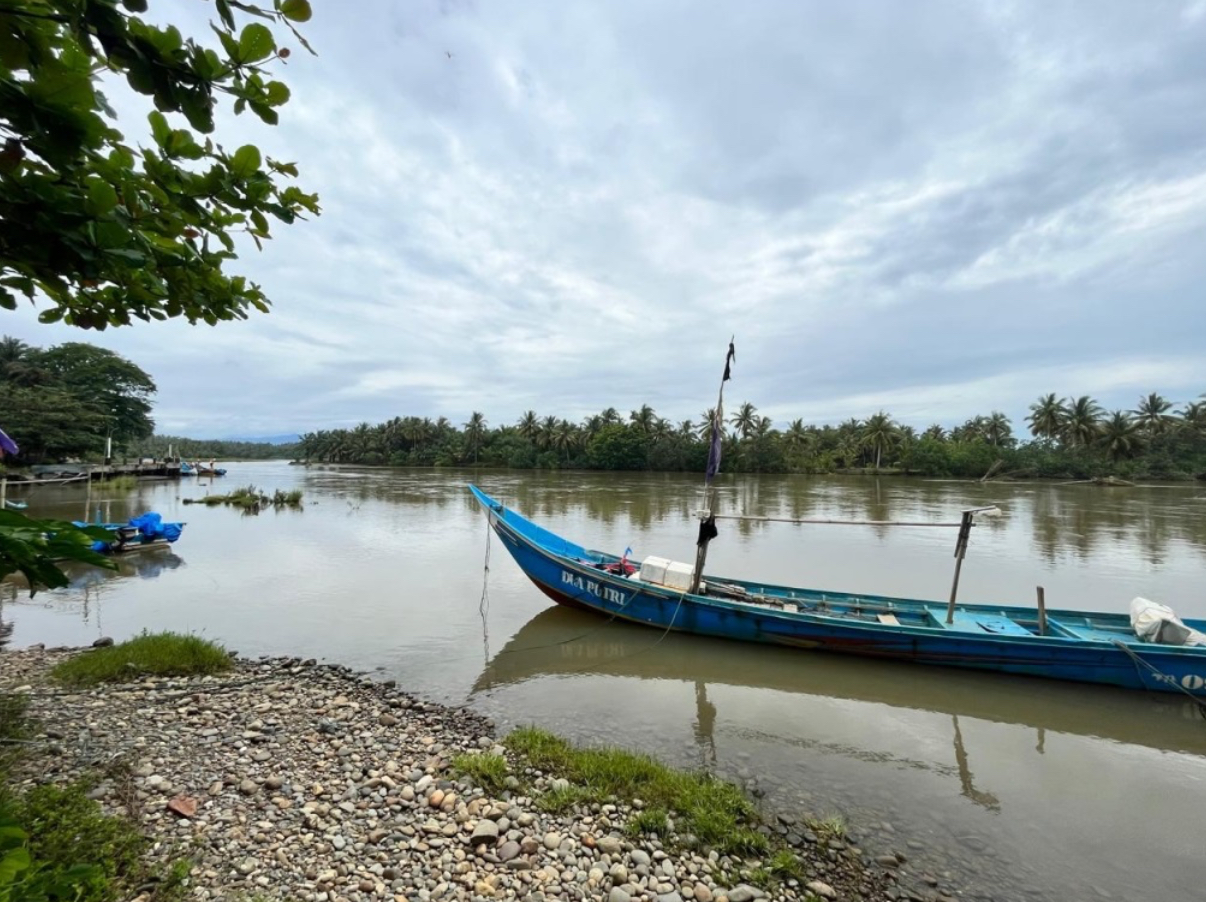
{"x":668,"y":573}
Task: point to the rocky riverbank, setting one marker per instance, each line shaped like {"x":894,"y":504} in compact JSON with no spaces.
{"x":285,"y":779}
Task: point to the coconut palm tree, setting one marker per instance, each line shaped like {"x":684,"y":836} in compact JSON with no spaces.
{"x":934,"y":433}
{"x":475,"y":433}
{"x":880,"y":434}
{"x":797,"y":438}
{"x":1120,"y":436}
{"x":1047,"y":417}
{"x":529,"y":426}
{"x":565,"y":438}
{"x":1193,"y":417}
{"x":997,"y":429}
{"x":745,"y":419}
{"x":591,"y":426}
{"x":643,"y":419}
{"x":705,"y":424}
{"x":548,"y":429}
{"x":1082,"y":424}
{"x":1153,"y":414}
{"x":686,"y":429}
{"x":610,"y":416}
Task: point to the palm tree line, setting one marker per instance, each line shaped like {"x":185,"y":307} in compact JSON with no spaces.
{"x":1069,"y":437}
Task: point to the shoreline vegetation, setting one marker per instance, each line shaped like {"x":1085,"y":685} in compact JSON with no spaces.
{"x":223,"y":778}
{"x":1071,"y":439}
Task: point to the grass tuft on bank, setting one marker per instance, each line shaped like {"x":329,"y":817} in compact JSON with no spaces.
{"x":715,"y":812}
{"x":151,"y":654}
{"x":485,"y":770}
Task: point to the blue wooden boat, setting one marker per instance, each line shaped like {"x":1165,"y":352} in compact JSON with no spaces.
{"x":1075,"y":645}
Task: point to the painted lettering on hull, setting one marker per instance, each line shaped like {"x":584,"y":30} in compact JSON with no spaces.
{"x":1190,"y":681}
{"x":590,"y":587}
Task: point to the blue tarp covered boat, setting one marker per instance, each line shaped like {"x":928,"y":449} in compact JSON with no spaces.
{"x":141,"y":533}
{"x":1072,"y":645}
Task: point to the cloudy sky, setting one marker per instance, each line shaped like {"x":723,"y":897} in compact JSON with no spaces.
{"x":935,"y":208}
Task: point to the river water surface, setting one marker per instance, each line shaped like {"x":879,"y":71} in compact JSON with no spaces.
{"x":998,"y":787}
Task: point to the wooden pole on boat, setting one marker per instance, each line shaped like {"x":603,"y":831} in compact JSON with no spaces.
{"x":707,"y":524}
{"x":1042,"y":610}
{"x":965,"y":526}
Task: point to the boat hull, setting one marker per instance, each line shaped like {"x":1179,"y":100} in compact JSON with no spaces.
{"x":569,"y":575}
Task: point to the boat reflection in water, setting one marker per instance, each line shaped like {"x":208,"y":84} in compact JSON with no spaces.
{"x":562,"y":642}
{"x":85,"y":579}
{"x":882,"y":742}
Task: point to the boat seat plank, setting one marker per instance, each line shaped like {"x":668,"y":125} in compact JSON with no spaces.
{"x":988,"y":623}
{"x":888,"y":619}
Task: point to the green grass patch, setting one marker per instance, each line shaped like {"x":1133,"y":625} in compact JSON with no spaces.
{"x":563,"y":799}
{"x":486,"y":770}
{"x":151,"y":654}
{"x":785,"y":865}
{"x":119,"y":484}
{"x":650,"y":822}
{"x":717,"y":813}
{"x":832,"y":827}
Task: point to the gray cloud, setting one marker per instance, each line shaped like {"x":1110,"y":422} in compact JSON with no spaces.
{"x":940,"y":208}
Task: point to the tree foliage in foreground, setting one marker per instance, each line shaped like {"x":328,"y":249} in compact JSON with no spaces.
{"x":1073,"y":439}
{"x":109,"y":231}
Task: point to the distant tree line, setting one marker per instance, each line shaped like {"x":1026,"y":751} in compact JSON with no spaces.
{"x":1070,"y":438}
{"x":67,"y":400}
{"x":194,"y":449}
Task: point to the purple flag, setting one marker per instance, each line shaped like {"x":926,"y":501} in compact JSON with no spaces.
{"x":7,"y":445}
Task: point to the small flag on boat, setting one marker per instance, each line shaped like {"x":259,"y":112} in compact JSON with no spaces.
{"x":7,"y":445}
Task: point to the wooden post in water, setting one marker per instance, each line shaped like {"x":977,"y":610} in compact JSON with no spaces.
{"x":965,"y":526}
{"x":3,"y":492}
{"x":1042,"y":610}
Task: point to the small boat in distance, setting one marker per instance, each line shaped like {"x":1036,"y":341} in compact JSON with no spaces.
{"x":187,"y":469}
{"x":1069,"y":645}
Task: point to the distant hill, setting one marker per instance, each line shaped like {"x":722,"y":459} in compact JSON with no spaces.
{"x":265,"y":439}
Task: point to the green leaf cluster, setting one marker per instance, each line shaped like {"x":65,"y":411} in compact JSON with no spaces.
{"x":106,"y":231}
{"x":34,"y":548}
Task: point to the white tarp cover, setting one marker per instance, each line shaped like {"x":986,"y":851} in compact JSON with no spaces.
{"x":1155,"y":622}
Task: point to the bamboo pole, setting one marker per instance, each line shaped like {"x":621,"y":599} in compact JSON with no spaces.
{"x":1042,"y":610}
{"x":836,"y":522}
{"x":960,"y":551}
{"x":710,"y":497}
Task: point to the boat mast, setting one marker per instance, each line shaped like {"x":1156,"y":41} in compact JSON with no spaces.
{"x":707,"y":516}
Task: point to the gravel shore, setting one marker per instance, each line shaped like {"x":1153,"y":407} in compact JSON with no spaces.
{"x":285,"y":779}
